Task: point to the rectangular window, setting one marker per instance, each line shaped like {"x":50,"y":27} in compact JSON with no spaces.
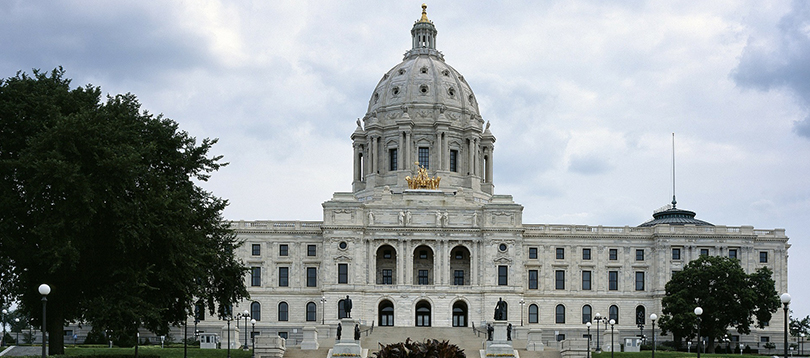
{"x":560,"y":337}
{"x":613,"y":280}
{"x":392,"y":159}
{"x":676,"y":253}
{"x":423,"y":277}
{"x":586,"y":280}
{"x":732,"y":253}
{"x":387,"y":277}
{"x":586,"y":254}
{"x":424,"y":157}
{"x":763,"y":257}
{"x":343,"y":273}
{"x":312,"y":277}
{"x":560,"y":253}
{"x":256,"y":249}
{"x":503,"y":278}
{"x":283,"y":276}
{"x":199,"y":312}
{"x":764,"y":339}
{"x":639,"y":255}
{"x":282,"y":334}
{"x":533,"y":253}
{"x":453,"y":160}
{"x":639,"y":281}
{"x":559,"y":279}
{"x":255,"y":276}
{"x":458,"y":277}
{"x":312,"y":250}
{"x":613,"y":254}
{"x":283,"y":250}
{"x":704,"y":252}
{"x":533,"y":279}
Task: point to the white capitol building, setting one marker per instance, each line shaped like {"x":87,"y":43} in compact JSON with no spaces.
{"x":414,"y":250}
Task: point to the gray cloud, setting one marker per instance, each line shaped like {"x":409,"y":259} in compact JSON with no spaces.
{"x":781,"y":61}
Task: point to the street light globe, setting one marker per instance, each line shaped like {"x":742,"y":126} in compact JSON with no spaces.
{"x":253,"y":321}
{"x":612,"y":322}
{"x":597,"y":315}
{"x":785,"y":297}
{"x":246,"y":313}
{"x":18,"y":321}
{"x":653,"y":317}
{"x":5,"y":311}
{"x":587,"y":324}
{"x":44,"y":289}
{"x":698,"y":311}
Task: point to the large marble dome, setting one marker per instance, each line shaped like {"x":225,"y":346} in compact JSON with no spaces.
{"x":423,"y":78}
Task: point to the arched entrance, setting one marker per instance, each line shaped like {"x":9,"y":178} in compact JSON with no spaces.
{"x":386,"y":313}
{"x":460,"y":314}
{"x":386,"y":265}
{"x":423,"y":265}
{"x":423,"y":314}
{"x":460,"y":265}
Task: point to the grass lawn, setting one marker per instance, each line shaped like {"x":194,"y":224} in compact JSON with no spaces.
{"x":663,"y":354}
{"x":155,"y":350}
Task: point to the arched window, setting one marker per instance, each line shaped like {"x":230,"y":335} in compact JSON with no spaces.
{"x":341,"y":309}
{"x":560,"y":314}
{"x":586,"y":313}
{"x":533,"y":314}
{"x":312,"y":311}
{"x":641,"y":314}
{"x":614,"y":313}
{"x":256,"y":311}
{"x":283,"y":312}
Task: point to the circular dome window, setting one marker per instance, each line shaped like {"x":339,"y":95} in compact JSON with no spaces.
{"x":423,"y":89}
{"x":343,"y":245}
{"x":502,"y":247}
{"x":401,"y":71}
{"x":451,"y":91}
{"x":395,"y":91}
{"x":423,"y":70}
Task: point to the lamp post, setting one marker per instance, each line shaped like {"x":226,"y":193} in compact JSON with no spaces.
{"x":253,"y":337}
{"x":641,"y":332}
{"x":17,"y":323}
{"x":612,"y":322}
{"x":228,"y":319}
{"x":726,"y":341}
{"x":323,"y":310}
{"x":801,"y":342}
{"x":522,"y":302}
{"x":597,"y":318}
{"x":246,"y":315}
{"x":185,"y":338}
{"x":785,"y":298}
{"x":3,"y":338}
{"x":44,"y":290}
{"x":588,"y":326}
{"x":653,"y":317}
{"x":698,"y":312}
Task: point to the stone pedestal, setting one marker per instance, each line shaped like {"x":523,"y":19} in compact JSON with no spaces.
{"x":270,"y":346}
{"x":346,"y":346}
{"x":499,"y":346}
{"x":534,"y":340}
{"x":574,"y":348}
{"x":235,"y":343}
{"x":310,"y":341}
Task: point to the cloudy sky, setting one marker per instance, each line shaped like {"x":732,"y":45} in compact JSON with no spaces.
{"x":583,"y":97}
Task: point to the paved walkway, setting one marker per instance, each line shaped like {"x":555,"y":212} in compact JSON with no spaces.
{"x":15,"y":351}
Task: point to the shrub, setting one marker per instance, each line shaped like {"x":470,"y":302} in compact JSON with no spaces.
{"x":413,"y":349}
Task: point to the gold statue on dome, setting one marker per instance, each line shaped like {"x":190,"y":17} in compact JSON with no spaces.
{"x":422,"y":180}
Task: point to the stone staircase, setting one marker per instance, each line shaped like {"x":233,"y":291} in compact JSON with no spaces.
{"x":465,"y":338}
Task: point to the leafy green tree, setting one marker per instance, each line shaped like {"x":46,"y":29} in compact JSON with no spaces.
{"x":99,"y":201}
{"x":729,"y":298}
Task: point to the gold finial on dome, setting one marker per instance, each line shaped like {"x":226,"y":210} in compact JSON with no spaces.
{"x":424,"y":14}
